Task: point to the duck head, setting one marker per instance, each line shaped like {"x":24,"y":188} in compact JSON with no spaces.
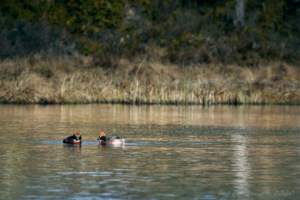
{"x":77,"y":135}
{"x":102,"y":136}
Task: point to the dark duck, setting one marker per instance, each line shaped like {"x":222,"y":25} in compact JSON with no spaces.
{"x":74,"y":139}
{"x":103,"y":139}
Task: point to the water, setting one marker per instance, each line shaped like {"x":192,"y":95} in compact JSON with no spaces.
{"x":219,"y":152}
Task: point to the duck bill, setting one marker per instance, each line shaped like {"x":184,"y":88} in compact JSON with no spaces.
{"x":77,"y":137}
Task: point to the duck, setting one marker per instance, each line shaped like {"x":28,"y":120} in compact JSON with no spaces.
{"x":110,"y":140}
{"x":74,"y":139}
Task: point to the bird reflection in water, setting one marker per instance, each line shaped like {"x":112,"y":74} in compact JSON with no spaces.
{"x":76,"y":147}
{"x":111,"y":146}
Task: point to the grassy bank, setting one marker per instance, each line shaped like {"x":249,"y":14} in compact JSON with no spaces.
{"x":142,"y":81}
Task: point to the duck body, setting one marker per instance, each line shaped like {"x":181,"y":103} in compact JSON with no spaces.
{"x":74,"y":139}
{"x":103,"y":139}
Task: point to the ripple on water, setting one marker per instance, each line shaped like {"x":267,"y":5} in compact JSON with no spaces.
{"x":171,"y":152}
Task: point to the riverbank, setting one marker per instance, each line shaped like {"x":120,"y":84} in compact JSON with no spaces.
{"x":140,"y":81}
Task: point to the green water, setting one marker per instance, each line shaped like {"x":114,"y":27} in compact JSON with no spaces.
{"x":219,"y":152}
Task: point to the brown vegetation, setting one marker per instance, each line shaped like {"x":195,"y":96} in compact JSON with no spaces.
{"x":145,"y":80}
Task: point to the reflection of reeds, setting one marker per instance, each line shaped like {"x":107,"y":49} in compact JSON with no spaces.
{"x":62,"y":81}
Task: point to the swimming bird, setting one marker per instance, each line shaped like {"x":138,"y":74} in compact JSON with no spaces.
{"x":110,"y":140}
{"x":74,"y":139}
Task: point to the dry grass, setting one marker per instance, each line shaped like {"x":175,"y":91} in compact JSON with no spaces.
{"x":76,"y":80}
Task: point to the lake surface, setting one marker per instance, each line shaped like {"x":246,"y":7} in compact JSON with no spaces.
{"x":171,"y":152}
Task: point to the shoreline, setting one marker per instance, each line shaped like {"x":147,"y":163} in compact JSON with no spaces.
{"x":77,"y":81}
{"x":151,"y":104}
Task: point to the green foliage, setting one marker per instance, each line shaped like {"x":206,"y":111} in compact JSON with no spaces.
{"x":25,"y":9}
{"x":101,"y":26}
{"x":85,"y":15}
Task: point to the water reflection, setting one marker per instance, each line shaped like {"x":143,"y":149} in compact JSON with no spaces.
{"x":241,"y":116}
{"x":241,"y":166}
{"x":76,"y":147}
{"x":170,"y":152}
{"x":107,"y":147}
